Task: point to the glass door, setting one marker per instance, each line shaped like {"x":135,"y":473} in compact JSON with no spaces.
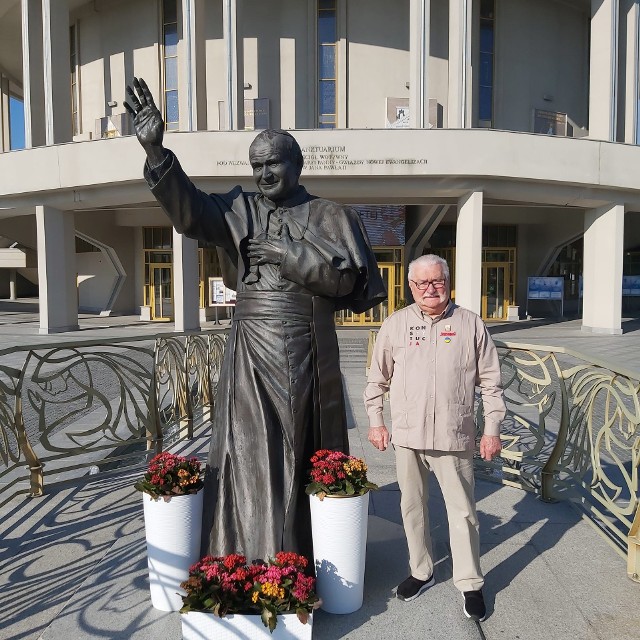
{"x":160,"y":292}
{"x":379,"y":313}
{"x":495,"y":302}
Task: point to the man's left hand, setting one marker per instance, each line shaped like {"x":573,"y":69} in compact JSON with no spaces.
{"x":263,"y":250}
{"x":490,"y":447}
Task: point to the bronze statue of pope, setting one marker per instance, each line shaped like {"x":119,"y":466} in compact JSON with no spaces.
{"x":294,"y":260}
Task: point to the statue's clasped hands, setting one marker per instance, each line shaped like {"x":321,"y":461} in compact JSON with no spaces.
{"x":267,"y":250}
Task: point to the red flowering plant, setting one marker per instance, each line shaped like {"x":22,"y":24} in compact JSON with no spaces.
{"x":228,"y":585}
{"x":171,"y":475}
{"x":334,"y":473}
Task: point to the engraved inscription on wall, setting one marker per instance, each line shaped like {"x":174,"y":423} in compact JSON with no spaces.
{"x":330,"y":158}
{"x":337,"y":158}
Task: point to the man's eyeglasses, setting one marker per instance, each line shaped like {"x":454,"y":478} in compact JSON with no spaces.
{"x":423,"y":285}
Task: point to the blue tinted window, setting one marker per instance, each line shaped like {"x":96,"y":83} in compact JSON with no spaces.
{"x":486,"y":35}
{"x":16,"y":123}
{"x":327,"y":97}
{"x":327,"y":65}
{"x":326,"y":27}
{"x":485,"y":72}
{"x":485,"y":110}
{"x":171,"y":40}
{"x":327,"y":119}
{"x":171,"y":74}
{"x":172,"y":106}
{"x":327,"y":62}
{"x":486,"y":69}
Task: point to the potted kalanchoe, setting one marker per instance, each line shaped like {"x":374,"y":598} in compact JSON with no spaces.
{"x":339,"y":527}
{"x":172,"y":499}
{"x":231,"y":588}
{"x":334,"y":473}
{"x":171,"y":475}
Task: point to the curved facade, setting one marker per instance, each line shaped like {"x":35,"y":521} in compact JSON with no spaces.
{"x":499,"y":133}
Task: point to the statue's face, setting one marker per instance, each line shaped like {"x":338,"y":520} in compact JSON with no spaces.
{"x":274,"y":170}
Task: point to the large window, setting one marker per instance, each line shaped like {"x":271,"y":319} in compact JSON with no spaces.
{"x":75,"y":77}
{"x":16,"y":123}
{"x":327,"y":36}
{"x":485,"y":98}
{"x":568,"y":264}
{"x":170,"y":63}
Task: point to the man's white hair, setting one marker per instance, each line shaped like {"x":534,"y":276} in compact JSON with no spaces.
{"x":427,"y":261}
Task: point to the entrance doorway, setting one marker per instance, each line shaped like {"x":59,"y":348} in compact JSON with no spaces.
{"x":381,"y":311}
{"x":498,"y":279}
{"x":495,"y":300}
{"x":160,"y":294}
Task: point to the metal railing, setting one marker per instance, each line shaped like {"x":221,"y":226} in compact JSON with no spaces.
{"x":572,"y":433}
{"x":572,"y":430}
{"x":75,"y":408}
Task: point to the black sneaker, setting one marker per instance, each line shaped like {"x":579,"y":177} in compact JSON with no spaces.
{"x":474,"y":606}
{"x":411,"y":588}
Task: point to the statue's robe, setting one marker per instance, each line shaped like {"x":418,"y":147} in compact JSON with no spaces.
{"x":279,"y":396}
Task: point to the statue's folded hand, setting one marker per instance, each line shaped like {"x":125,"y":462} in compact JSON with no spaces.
{"x":267,"y":250}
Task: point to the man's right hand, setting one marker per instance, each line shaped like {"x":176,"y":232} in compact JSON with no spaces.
{"x":147,"y":120}
{"x":379,"y":437}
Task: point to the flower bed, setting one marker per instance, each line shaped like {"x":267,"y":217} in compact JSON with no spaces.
{"x":229,"y":585}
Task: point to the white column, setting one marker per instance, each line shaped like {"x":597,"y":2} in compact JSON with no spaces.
{"x":288,"y":114}
{"x":57,"y":277}
{"x":231,"y":19}
{"x":469,"y":252}
{"x":419,"y":38}
{"x":185,"y":283}
{"x":632,"y":69}
{"x":57,"y":71}
{"x":33,"y":74}
{"x":603,"y":70}
{"x":12,"y":285}
{"x":5,"y":125}
{"x":602,"y":271}
{"x":460,"y":30}
{"x":192,"y":77}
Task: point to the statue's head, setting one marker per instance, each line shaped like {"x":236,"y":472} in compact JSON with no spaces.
{"x":276,"y":160}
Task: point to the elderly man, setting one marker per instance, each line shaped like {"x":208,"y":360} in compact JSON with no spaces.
{"x":431,"y":355}
{"x":293,"y":260}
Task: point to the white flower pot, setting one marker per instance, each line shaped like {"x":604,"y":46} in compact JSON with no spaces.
{"x":200,"y":625}
{"x":339,"y":528}
{"x":173,"y":529}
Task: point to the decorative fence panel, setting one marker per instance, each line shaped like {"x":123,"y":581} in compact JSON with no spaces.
{"x":74,"y":407}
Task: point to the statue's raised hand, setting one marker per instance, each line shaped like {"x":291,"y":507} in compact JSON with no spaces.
{"x":147,"y":119}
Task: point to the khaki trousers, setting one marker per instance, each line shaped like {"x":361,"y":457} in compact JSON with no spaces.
{"x":454,"y":472}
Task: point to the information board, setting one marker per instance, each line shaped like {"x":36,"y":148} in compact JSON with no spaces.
{"x":631,"y":286}
{"x":545,"y":288}
{"x":219,"y":295}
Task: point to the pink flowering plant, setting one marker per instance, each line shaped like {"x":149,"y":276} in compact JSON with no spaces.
{"x":171,"y":475}
{"x":228,"y":585}
{"x":334,"y":473}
